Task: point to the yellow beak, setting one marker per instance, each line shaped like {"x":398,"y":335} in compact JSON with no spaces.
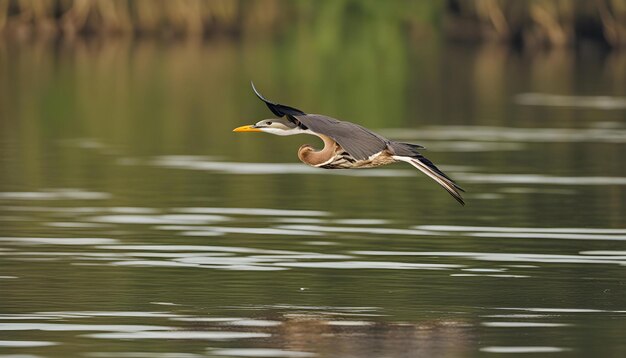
{"x":249,"y":128}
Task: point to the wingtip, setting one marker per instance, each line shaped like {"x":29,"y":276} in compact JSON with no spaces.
{"x":455,"y":194}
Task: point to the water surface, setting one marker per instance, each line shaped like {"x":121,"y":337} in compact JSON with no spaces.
{"x":133,"y":223}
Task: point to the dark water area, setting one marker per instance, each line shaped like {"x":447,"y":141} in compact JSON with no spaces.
{"x":134,"y":223}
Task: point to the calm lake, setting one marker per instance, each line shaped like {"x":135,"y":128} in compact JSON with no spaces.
{"x":134,"y":223}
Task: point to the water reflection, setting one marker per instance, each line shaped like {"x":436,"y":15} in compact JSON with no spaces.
{"x":290,"y":326}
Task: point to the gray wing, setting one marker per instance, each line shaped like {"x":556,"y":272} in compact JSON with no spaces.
{"x":278,"y":109}
{"x":359,"y":142}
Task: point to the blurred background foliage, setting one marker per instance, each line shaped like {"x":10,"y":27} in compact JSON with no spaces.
{"x":144,"y":78}
{"x":529,"y":23}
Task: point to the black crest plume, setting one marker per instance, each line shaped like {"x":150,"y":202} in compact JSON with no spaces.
{"x":278,"y":109}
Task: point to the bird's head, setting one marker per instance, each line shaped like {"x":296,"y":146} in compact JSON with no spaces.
{"x":278,"y":126}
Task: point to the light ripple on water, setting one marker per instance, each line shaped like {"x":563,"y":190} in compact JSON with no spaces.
{"x":370,"y":230}
{"x":484,"y":269}
{"x":53,"y":209}
{"x":202,"y":335}
{"x":601,"y":252}
{"x":523,"y":324}
{"x":251,"y":211}
{"x":246,"y":268}
{"x":54,"y":327}
{"x":246,"y":230}
{"x":523,"y":349}
{"x":368,"y":265}
{"x":58,"y":241}
{"x":533,"y":190}
{"x":55,"y":194}
{"x":508,"y":257}
{"x":488,"y":275}
{"x":517,"y":315}
{"x":205,"y":319}
{"x":80,"y":314}
{"x":556,"y":100}
{"x":235,"y":265}
{"x":352,"y":309}
{"x":511,"y":134}
{"x":253,"y":323}
{"x":361,"y":221}
{"x":201,"y":233}
{"x":152,"y":263}
{"x":269,"y":168}
{"x":83,"y":255}
{"x":349,"y":323}
{"x":25,"y":344}
{"x":298,"y":220}
{"x":261,"y":352}
{"x":142,"y":355}
{"x":574,"y":230}
{"x":195,"y":248}
{"x":528,"y":235}
{"x":131,"y":210}
{"x":470,"y":146}
{"x":159,"y":219}
{"x":304,"y":256}
{"x":557,"y":310}
{"x":78,"y":225}
{"x":238,"y":260}
{"x":160,"y":254}
{"x":538,"y":179}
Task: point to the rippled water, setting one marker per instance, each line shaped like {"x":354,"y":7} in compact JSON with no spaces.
{"x":133,"y":223}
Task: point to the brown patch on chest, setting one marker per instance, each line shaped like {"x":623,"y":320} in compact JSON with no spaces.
{"x":310,"y":156}
{"x":384,"y":158}
{"x":333,"y":156}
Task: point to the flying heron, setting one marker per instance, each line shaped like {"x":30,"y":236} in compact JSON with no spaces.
{"x":346,"y":145}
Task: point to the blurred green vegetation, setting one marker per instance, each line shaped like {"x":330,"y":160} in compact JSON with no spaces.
{"x":147,"y":98}
{"x":533,"y":23}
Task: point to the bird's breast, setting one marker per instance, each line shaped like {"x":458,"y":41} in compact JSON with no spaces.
{"x":343,"y":160}
{"x":333,"y":156}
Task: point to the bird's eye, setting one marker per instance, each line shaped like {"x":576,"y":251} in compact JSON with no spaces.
{"x":269,"y":123}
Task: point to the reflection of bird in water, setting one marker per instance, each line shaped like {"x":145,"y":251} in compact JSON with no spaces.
{"x":346,"y":145}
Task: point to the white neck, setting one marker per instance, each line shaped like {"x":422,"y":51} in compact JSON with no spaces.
{"x":283,"y":132}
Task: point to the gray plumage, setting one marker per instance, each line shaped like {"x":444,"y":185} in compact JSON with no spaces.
{"x":361,"y":145}
{"x":360,"y":142}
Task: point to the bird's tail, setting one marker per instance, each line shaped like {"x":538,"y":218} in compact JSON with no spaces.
{"x":427,"y":167}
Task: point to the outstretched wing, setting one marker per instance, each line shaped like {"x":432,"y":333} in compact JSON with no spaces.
{"x":278,"y":109}
{"x":359,"y":142}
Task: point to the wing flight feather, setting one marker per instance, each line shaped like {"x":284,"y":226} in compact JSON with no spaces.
{"x":358,"y":141}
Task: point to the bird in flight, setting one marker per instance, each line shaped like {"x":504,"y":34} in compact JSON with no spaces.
{"x":346,"y":145}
